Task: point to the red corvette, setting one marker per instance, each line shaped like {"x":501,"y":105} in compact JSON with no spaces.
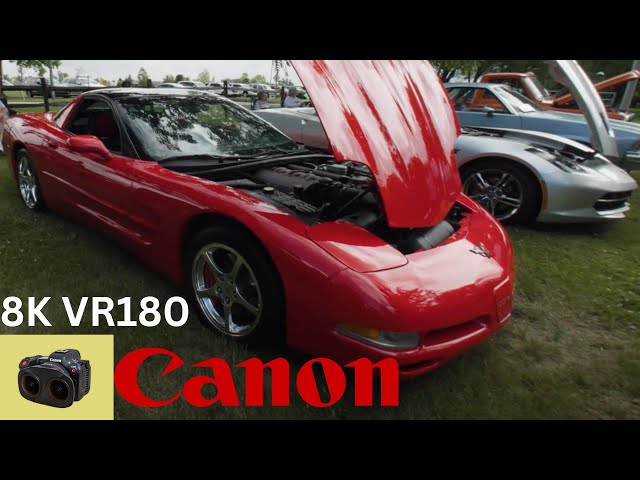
{"x":369,"y":252}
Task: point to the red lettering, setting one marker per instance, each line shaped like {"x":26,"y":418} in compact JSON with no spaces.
{"x":389,"y":382}
{"x":126,"y":381}
{"x":126,"y":376}
{"x":308,"y":388}
{"x":221,"y":378}
{"x":254,"y":383}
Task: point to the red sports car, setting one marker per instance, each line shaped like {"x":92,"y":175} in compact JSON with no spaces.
{"x":369,"y":252}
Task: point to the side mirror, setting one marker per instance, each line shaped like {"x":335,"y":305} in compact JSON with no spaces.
{"x":488,"y":110}
{"x":89,"y":144}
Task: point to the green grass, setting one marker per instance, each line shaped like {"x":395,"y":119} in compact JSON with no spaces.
{"x":637,"y":116}
{"x":572,"y":349}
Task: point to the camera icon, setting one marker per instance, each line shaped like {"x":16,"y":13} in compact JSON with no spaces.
{"x":56,"y":380}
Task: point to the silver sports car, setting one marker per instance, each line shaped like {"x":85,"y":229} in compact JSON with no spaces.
{"x":517,"y":175}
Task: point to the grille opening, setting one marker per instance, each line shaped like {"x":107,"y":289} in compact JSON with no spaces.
{"x":450,"y":334}
{"x":430,"y":364}
{"x":612,"y":201}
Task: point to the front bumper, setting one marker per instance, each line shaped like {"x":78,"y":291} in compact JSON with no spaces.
{"x":452,"y":297}
{"x":575,"y":198}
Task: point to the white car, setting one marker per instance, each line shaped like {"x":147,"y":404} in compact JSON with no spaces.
{"x":241,"y":89}
{"x":171,"y":85}
{"x":262,"y":86}
{"x":82,"y":82}
{"x":216,"y":87}
{"x":192,"y":84}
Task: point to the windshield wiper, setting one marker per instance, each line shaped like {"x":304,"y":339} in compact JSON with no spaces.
{"x":262,"y":162}
{"x":203,"y":156}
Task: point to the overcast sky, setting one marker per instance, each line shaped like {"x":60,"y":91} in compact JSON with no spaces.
{"x":157,"y":69}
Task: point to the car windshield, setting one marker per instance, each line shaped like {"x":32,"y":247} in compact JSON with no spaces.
{"x":536,"y":88}
{"x":518,"y":102}
{"x":173,"y":126}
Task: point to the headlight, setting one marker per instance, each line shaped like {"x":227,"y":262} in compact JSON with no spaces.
{"x":380,"y":338}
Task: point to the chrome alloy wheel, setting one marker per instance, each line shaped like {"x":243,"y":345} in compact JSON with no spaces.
{"x":226,"y":290}
{"x":27,"y":182}
{"x":500,"y":192}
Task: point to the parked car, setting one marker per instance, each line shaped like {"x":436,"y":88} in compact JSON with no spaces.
{"x":499,"y":106}
{"x":171,"y":85}
{"x":82,"y":82}
{"x":34,"y":82}
{"x":216,"y":87}
{"x":263,"y":232}
{"x":261,"y":86}
{"x":6,"y":83}
{"x":517,"y":175}
{"x":242,"y":89}
{"x":527,"y":84}
{"x":192,"y":84}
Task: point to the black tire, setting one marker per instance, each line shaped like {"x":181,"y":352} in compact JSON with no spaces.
{"x":269,"y":326}
{"x":518,"y":178}
{"x":33,"y":201}
{"x":30,"y":93}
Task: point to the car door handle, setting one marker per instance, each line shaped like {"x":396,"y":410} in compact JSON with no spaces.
{"x":51,"y":144}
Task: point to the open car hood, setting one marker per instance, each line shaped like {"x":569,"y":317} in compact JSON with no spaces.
{"x":396,"y":118}
{"x":571,"y":75}
{"x":613,"y":82}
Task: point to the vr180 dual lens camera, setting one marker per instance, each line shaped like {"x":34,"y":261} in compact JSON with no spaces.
{"x":57,"y":380}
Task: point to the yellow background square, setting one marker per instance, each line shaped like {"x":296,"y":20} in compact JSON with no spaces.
{"x":96,"y":405}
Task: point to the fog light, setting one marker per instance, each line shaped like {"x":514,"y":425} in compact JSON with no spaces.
{"x":380,"y":338}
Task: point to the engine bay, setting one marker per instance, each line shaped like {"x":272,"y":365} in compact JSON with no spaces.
{"x":323,"y":190}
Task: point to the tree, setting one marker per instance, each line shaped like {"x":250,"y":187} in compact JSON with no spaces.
{"x":258,"y":79}
{"x":280,"y":67}
{"x":204,"y":76}
{"x":180,"y":77}
{"x":40,"y":66}
{"x":447,"y":69}
{"x":168,"y":79}
{"x":143,"y":76}
{"x":244,"y":78}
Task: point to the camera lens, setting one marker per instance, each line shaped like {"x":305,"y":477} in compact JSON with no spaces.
{"x":30,"y":385}
{"x":59,"y":390}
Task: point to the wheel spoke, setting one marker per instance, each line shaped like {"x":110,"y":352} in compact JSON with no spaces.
{"x":236,"y":267}
{"x":492,"y":206}
{"x":206,"y":291}
{"x":212,"y":264}
{"x":240,"y":300}
{"x":480,"y":181}
{"x":512,"y":202}
{"x":503,"y":180}
{"x":226,"y":317}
